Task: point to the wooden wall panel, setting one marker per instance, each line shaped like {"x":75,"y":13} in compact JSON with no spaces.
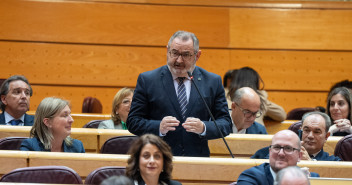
{"x":110,"y":23}
{"x":65,"y":64}
{"x":291,"y":100}
{"x":75,"y":95}
{"x":282,"y":28}
{"x":296,"y":70}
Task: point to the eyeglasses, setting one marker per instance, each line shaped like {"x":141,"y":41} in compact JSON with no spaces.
{"x":185,"y":56}
{"x":248,"y":113}
{"x":287,"y":149}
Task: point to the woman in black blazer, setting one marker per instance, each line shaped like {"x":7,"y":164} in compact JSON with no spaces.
{"x":150,"y":162}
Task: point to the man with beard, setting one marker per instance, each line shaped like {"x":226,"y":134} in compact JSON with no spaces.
{"x":284,"y":151}
{"x":166,"y":103}
{"x":15,"y":95}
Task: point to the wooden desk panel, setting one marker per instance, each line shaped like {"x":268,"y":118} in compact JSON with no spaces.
{"x":10,"y":160}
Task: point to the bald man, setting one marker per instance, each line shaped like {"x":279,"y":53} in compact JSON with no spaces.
{"x":245,"y":108}
{"x":291,"y":175}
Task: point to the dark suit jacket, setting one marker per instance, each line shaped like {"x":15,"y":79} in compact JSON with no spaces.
{"x":256,"y":128}
{"x":34,"y":144}
{"x":155,"y":97}
{"x":259,"y":175}
{"x":324,"y":156}
{"x":28,"y":119}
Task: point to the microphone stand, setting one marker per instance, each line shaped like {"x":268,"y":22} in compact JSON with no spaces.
{"x":211,"y":115}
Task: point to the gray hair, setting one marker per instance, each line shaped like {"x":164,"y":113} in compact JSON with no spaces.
{"x":325,"y":116}
{"x":293,"y":171}
{"x":4,"y":89}
{"x":47,"y":108}
{"x":185,"y":36}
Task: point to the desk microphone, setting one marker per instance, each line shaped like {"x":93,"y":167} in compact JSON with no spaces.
{"x":211,"y":115}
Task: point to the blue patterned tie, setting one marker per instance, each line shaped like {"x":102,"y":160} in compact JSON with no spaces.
{"x":182,"y":96}
{"x":15,"y":122}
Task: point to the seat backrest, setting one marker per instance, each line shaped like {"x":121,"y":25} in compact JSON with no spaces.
{"x":343,"y":148}
{"x":297,"y":113}
{"x":11,"y":143}
{"x":100,"y":174}
{"x":295,"y":127}
{"x":118,"y":145}
{"x":91,"y":105}
{"x":92,"y":124}
{"x":43,"y":174}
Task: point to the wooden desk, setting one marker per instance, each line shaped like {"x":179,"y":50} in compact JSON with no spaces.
{"x":186,"y":169}
{"x":11,"y":160}
{"x":93,"y":140}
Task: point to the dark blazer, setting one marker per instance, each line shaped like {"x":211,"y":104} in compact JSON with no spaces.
{"x":171,"y":182}
{"x":321,"y":156}
{"x":259,"y":175}
{"x":28,"y":119}
{"x":155,"y":97}
{"x":324,"y":156}
{"x":34,"y":144}
{"x":256,"y":128}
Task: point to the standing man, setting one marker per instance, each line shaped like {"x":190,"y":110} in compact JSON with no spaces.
{"x":284,"y":151}
{"x":167,"y":104}
{"x":15,"y":94}
{"x":315,"y":133}
{"x":245,"y":108}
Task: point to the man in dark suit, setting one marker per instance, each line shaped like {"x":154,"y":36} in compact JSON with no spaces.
{"x":245,"y":108}
{"x":284,"y":151}
{"x":166,"y":103}
{"x":15,"y":94}
{"x":315,"y":132}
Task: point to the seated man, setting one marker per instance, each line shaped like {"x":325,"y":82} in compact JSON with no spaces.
{"x":284,"y":151}
{"x":291,"y":175}
{"x":315,"y":133}
{"x":15,"y":94}
{"x":245,"y":108}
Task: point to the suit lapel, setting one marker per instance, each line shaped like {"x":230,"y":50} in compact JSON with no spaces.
{"x":194,"y":96}
{"x":269,"y":176}
{"x":168,"y":86}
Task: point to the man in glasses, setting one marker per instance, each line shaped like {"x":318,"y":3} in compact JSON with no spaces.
{"x":245,"y":108}
{"x":166,"y":103}
{"x":284,"y":151}
{"x":315,"y":132}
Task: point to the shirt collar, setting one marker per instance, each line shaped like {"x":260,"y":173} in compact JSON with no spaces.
{"x":8,"y":117}
{"x":273,"y":173}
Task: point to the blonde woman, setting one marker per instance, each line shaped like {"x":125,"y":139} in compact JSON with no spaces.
{"x":52,"y":128}
{"x":120,"y":108}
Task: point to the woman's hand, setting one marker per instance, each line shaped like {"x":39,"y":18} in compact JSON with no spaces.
{"x":343,"y":125}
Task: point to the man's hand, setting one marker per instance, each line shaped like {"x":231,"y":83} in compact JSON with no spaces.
{"x":305,"y":155}
{"x":194,"y":125}
{"x":167,"y":124}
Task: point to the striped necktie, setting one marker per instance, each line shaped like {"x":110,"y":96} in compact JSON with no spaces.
{"x":15,"y":122}
{"x":182,"y":96}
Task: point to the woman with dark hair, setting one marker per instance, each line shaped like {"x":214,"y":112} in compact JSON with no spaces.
{"x":150,"y":162}
{"x":248,"y":77}
{"x":339,"y":109}
{"x":52,"y":128}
